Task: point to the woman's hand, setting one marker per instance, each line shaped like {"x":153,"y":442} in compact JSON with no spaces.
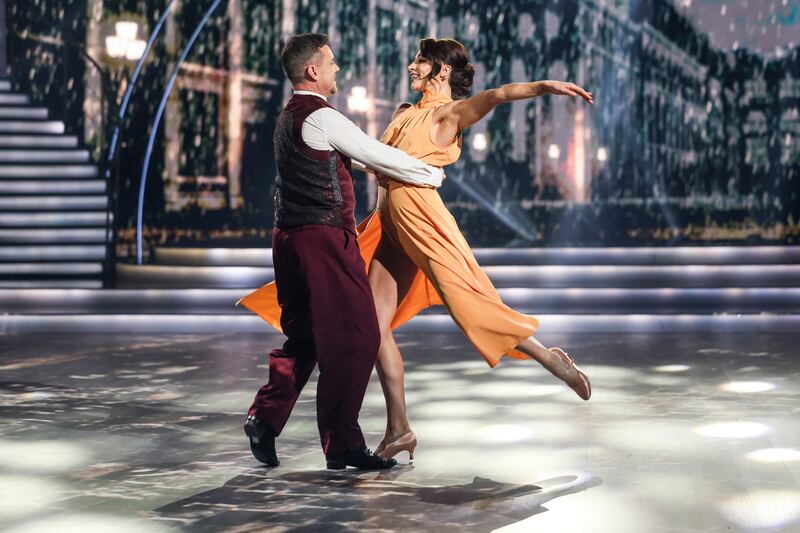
{"x":564,"y":88}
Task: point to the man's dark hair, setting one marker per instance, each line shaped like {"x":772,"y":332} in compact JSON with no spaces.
{"x":299,"y":52}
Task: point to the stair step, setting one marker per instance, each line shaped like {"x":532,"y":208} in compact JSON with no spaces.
{"x":5,"y":85}
{"x":52,"y":186}
{"x":30,"y":220}
{"x":632,"y":276}
{"x":675,"y":255}
{"x":39,"y":141}
{"x":14,"y":98}
{"x":44,"y":156}
{"x":556,"y":323}
{"x":48,"y":171}
{"x":548,"y":276}
{"x":684,"y":255}
{"x":191,"y":277}
{"x":31,"y":126}
{"x":52,"y":253}
{"x":51,"y":269}
{"x":51,"y":203}
{"x":165,"y":255}
{"x":531,"y":301}
{"x":55,"y":236}
{"x":23,"y":112}
{"x":17,"y":284}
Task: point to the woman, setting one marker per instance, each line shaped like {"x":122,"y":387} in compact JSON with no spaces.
{"x":416,"y":254}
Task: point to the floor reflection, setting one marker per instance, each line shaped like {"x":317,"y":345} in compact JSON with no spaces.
{"x":684,"y":433}
{"x":365,"y":501}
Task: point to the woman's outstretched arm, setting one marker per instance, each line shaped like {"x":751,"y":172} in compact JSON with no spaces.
{"x":464,"y":113}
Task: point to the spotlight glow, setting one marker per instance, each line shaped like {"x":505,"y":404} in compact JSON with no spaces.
{"x":135,"y":49}
{"x":747,"y":386}
{"x":774,"y":455}
{"x":602,"y":154}
{"x":504,"y":433}
{"x":89,"y":523}
{"x":358,"y":101}
{"x":733,"y":430}
{"x":479,"y":142}
{"x":762,"y":509}
{"x":554,"y":152}
{"x":41,"y":457}
{"x":671,"y":368}
{"x":127,"y":30}
{"x":116,"y":46}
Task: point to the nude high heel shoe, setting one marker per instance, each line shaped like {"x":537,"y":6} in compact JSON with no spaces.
{"x":582,"y":386}
{"x":406,"y":442}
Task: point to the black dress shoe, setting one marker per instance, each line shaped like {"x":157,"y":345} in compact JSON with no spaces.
{"x":262,"y":441}
{"x":362,"y":459}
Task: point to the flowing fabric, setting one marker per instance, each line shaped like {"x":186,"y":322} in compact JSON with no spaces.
{"x":416,"y":220}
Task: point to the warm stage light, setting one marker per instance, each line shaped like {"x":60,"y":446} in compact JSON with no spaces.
{"x":127,"y":30}
{"x":124,"y":44}
{"x":479,"y":142}
{"x":116,"y":46}
{"x":357,"y":101}
{"x":135,"y":49}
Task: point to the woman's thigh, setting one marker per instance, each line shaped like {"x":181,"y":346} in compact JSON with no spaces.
{"x":390,"y":276}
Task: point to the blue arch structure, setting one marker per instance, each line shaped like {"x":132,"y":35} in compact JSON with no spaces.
{"x":157,"y":121}
{"x":112,"y":148}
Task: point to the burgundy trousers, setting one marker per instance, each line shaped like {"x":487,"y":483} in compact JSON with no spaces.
{"x":328,"y":315}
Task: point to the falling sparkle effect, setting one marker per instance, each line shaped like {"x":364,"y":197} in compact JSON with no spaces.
{"x":694,"y":136}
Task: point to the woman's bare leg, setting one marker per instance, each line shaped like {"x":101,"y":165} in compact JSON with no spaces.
{"x":390,"y":276}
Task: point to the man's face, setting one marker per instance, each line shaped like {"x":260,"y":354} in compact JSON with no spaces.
{"x":327,"y":70}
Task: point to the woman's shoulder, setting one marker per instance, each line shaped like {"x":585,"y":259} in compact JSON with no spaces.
{"x":401,"y":108}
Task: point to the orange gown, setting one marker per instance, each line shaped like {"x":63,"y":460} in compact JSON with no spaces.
{"x":417,"y":221}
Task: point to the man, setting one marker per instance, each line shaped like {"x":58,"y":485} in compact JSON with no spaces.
{"x":327,"y":310}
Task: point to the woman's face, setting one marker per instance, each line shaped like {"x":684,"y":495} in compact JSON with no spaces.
{"x":419,"y":69}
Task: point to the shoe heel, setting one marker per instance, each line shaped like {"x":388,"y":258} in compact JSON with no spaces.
{"x":336,"y":465}
{"x":411,"y":454}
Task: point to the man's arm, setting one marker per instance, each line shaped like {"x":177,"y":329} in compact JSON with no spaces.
{"x":342,"y":135}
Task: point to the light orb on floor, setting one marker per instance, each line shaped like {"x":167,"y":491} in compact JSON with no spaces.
{"x":671,"y":368}
{"x":762,"y":509}
{"x":774,"y":455}
{"x":747,"y":386}
{"x":504,"y":433}
{"x":733,"y":430}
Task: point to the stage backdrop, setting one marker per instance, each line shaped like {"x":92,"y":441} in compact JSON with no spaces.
{"x":694,"y":137}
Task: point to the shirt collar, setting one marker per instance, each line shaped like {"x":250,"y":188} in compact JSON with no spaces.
{"x":310,"y":93}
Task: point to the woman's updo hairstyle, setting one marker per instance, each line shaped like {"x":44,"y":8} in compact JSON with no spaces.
{"x":450,"y":52}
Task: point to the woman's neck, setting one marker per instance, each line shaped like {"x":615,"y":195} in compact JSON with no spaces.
{"x":437,"y":90}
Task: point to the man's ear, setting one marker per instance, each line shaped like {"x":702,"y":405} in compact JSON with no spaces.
{"x":312,"y":73}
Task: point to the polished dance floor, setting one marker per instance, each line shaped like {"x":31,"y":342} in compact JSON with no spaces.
{"x":142,"y":433}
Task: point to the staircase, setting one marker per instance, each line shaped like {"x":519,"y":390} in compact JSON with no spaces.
{"x":53,"y":203}
{"x":732,"y":289}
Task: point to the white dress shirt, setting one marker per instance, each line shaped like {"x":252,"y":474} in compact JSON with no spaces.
{"x":327,"y":129}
